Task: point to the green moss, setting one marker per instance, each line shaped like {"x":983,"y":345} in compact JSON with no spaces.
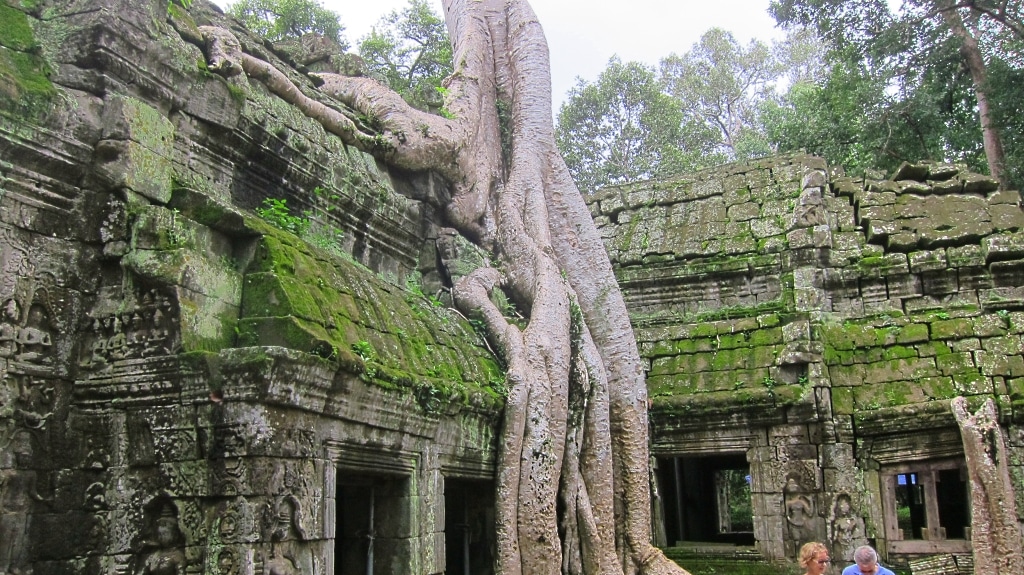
{"x":302,"y":299}
{"x":898,"y":352}
{"x":15,"y":32}
{"x":952,"y":329}
{"x":764,"y":337}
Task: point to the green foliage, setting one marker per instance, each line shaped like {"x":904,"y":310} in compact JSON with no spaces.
{"x":899,"y":87}
{"x":25,"y":84}
{"x":409,"y":51}
{"x":623,"y":128}
{"x":364,"y":350}
{"x":275,"y":211}
{"x":316,"y":233}
{"x":699,"y":109}
{"x":186,"y":4}
{"x":276,"y":20}
{"x":720,"y":85}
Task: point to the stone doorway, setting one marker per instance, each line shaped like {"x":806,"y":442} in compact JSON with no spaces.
{"x":706,"y":499}
{"x":373,"y":526}
{"x":469,"y":527}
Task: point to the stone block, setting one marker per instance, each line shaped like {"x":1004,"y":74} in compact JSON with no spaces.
{"x":1006,"y":217}
{"x":912,"y":333}
{"x":967,"y":344}
{"x":972,"y":383}
{"x":137,"y":145}
{"x":788,"y":435}
{"x":967,"y":256}
{"x":952,"y":328}
{"x":992,"y":364}
{"x":1005,"y":345}
{"x":954,"y":362}
{"x":911,"y":173}
{"x":907,"y":369}
{"x":978,"y":183}
{"x":1003,"y":246}
{"x":766,"y":227}
{"x":927,"y":260}
{"x":743,"y":211}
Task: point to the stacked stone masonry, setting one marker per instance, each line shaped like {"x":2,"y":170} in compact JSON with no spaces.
{"x":186,"y":385}
{"x":816,"y":326}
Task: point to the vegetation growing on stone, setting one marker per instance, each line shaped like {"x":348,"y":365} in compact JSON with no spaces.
{"x":24,"y":75}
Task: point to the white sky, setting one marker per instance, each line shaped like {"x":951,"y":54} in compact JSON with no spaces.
{"x":583,"y":34}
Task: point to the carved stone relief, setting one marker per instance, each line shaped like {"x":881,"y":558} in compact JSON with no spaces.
{"x":289,"y":553}
{"x":145,"y":330}
{"x":160,"y":551}
{"x":19,"y":490}
{"x":847,"y":527}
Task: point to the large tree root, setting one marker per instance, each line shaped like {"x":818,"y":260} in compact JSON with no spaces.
{"x":995,"y":530}
{"x":573,"y":478}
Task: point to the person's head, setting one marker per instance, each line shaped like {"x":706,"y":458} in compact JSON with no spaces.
{"x":866,"y":559}
{"x":814,"y":557}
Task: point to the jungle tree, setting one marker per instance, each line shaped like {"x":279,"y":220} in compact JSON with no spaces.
{"x":409,"y":51}
{"x":910,"y":43}
{"x":573,"y":483}
{"x":623,"y":128}
{"x":279,"y":19}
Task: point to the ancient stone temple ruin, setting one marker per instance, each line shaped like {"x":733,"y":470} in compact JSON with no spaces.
{"x":226,"y":345}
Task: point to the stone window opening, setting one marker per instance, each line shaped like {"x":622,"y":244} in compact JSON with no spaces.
{"x":705,"y":499}
{"x":372,"y":531}
{"x":926,"y":506}
{"x":469,"y":534}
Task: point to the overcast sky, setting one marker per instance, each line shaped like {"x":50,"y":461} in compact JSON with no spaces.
{"x":583,"y":34}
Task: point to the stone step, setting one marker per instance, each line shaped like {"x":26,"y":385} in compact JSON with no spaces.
{"x":717,"y":559}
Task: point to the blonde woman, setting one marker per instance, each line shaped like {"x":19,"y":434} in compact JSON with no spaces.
{"x":814,"y":558}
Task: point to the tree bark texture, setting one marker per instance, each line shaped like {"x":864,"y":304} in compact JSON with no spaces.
{"x":991,"y":139}
{"x":573,"y":477}
{"x":995,"y":530}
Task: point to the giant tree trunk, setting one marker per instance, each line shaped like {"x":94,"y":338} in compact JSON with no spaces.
{"x":991,"y":139}
{"x":995,"y":532}
{"x":573,"y":479}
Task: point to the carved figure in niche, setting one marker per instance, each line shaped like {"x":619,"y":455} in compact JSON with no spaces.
{"x":156,"y":341}
{"x":227,"y":563}
{"x":9,"y":328}
{"x":161,"y":552}
{"x":137,"y":335}
{"x":98,"y":348}
{"x":810,"y":210}
{"x":117,"y":345}
{"x":799,"y":511}
{"x":289,"y":555}
{"x":34,"y":340}
{"x":234,"y":521}
{"x":848,"y":526}
{"x":18,"y":490}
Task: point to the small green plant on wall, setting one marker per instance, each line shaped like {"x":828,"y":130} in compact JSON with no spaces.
{"x":276,"y":212}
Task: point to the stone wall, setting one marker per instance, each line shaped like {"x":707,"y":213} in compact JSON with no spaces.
{"x":818,"y":326}
{"x":185,"y":383}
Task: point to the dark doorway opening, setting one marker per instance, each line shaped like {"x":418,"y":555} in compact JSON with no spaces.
{"x":706,"y":499}
{"x":371,"y":537}
{"x":469,"y":538}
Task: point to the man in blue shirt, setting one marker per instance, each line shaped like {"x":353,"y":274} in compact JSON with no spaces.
{"x":866,"y":563}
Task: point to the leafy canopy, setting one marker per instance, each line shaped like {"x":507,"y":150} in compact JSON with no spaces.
{"x":623,"y":128}
{"x":276,"y":20}
{"x":409,"y":51}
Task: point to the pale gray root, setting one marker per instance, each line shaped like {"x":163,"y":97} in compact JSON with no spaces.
{"x":995,"y":530}
{"x":575,"y":422}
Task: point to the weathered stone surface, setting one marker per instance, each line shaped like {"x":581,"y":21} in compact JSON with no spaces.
{"x":172,"y":363}
{"x":913,"y":305}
